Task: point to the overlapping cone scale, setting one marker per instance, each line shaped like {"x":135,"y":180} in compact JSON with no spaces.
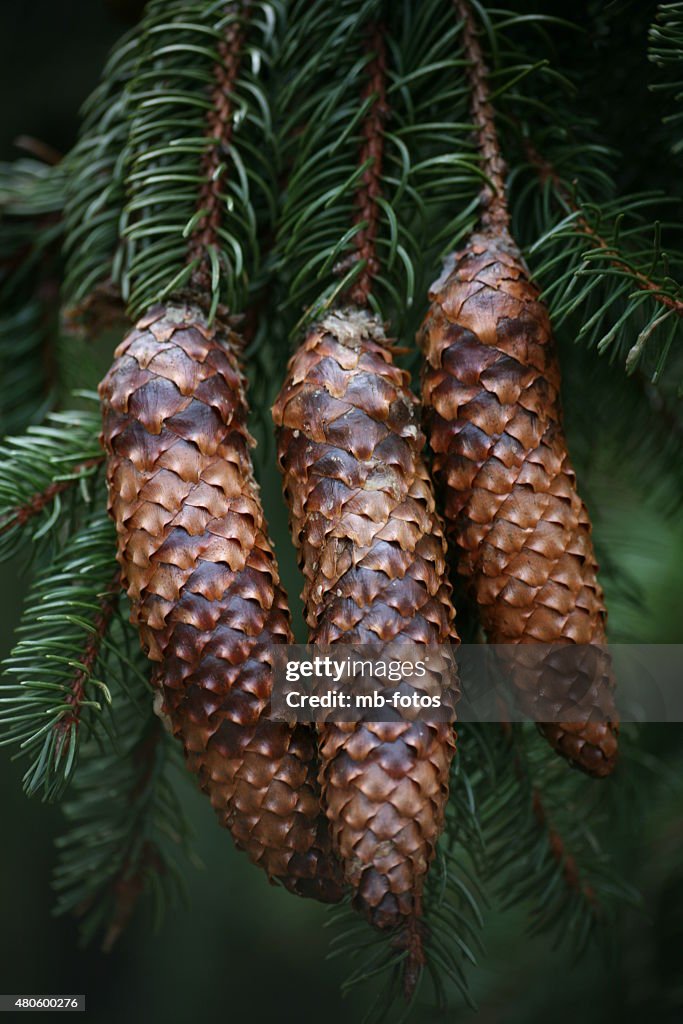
{"x":520,"y":532}
{"x":373,"y":557}
{"x":204,"y":588}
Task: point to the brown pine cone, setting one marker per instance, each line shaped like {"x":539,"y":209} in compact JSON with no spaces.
{"x":204,"y":587}
{"x":521,"y":532}
{"x":373,"y":556}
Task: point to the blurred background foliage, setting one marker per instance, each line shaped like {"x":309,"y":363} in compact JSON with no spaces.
{"x":240,"y":949}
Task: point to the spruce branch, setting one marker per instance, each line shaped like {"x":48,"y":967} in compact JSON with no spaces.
{"x":599,"y":256}
{"x":494,"y":209}
{"x":571,"y":884}
{"x":617,"y":260}
{"x":564,"y":859}
{"x":369,"y":190}
{"x":127,"y":835}
{"x":31,"y":199}
{"x":95,"y":197}
{"x":521,"y":828}
{"x":20,"y":515}
{"x":199,"y":169}
{"x":45,"y":482}
{"x":617,"y":276}
{"x":330,"y":109}
{"x":187,"y":173}
{"x":106,"y":606}
{"x":204,"y":237}
{"x":665,"y":50}
{"x":56,"y":663}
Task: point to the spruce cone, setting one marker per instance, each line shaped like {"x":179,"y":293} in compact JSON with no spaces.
{"x":522,"y":534}
{"x":204,"y":588}
{"x":373,"y":556}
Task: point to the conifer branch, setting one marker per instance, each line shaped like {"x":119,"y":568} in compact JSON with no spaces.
{"x":172,"y":187}
{"x":20,"y":515}
{"x":565,"y":860}
{"x":369,"y":188}
{"x":172,"y":165}
{"x":31,"y":199}
{"x":513,"y":834}
{"x":573,"y":884}
{"x":43,"y":468}
{"x":599,"y":259}
{"x":494,"y":212}
{"x":547,"y":173}
{"x":95,"y":196}
{"x":326,"y":85}
{"x":129,"y":847}
{"x":666,"y":51}
{"x":129,"y":883}
{"x":55,"y":661}
{"x":219,"y":130}
{"x":106,"y":606}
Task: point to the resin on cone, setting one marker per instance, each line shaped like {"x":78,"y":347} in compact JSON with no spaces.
{"x":204,"y":588}
{"x":373,"y":556}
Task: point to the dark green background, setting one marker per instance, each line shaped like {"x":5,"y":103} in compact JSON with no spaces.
{"x":242,"y":950}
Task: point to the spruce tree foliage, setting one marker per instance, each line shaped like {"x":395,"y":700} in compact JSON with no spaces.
{"x":665,"y":50}
{"x":31,"y":199}
{"x":120,"y":223}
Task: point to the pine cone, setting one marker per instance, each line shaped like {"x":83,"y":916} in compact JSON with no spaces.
{"x":521,"y":532}
{"x":373,"y":557}
{"x":204,"y":588}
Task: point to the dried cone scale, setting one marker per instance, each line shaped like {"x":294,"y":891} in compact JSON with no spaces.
{"x":204,"y":588}
{"x":521,"y":533}
{"x":373,"y":556}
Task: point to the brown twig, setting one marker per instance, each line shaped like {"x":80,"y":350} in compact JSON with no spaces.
{"x":494,"y":211}
{"x":558,"y":848}
{"x":565,"y":860}
{"x":129,"y":883}
{"x":21,"y":514}
{"x":107,"y":606}
{"x":219,"y":129}
{"x":412,"y":940}
{"x":127,"y":888}
{"x":371,"y":154}
{"x":39,"y":149}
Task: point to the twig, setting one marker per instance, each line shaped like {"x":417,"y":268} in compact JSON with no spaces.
{"x":219,"y":129}
{"x":558,"y":848}
{"x":21,"y":514}
{"x":494,"y":212}
{"x":565,"y":860}
{"x":547,"y":172}
{"x":371,"y":154}
{"x":107,"y":606}
{"x":128,"y":885}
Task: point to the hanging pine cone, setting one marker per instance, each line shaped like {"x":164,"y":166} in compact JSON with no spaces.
{"x":204,"y":587}
{"x":521,"y":532}
{"x":373,"y":556}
